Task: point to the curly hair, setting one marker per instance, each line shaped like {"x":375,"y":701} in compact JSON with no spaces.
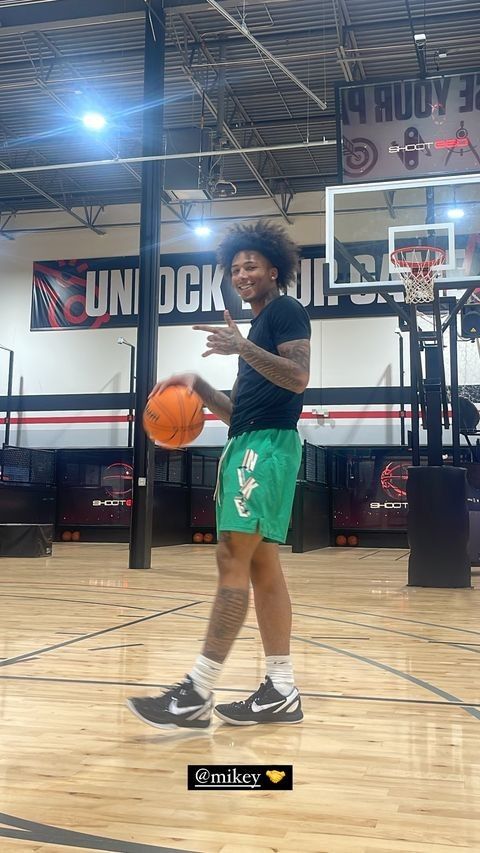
{"x":269,"y":240}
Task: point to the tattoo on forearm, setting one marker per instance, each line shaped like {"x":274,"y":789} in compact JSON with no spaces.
{"x":227,"y":617}
{"x":216,"y":401}
{"x":297,"y":351}
{"x":289,"y":370}
{"x":233,"y":392}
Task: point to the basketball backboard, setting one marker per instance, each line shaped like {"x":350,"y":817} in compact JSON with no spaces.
{"x":365,"y":223}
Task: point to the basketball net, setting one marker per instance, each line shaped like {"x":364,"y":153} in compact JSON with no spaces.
{"x":418,"y":267}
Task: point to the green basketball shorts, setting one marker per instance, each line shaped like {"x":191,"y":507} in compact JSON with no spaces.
{"x":256,"y":483}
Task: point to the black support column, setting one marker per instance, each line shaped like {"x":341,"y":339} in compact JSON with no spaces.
{"x":433,"y":403}
{"x":152,"y":173}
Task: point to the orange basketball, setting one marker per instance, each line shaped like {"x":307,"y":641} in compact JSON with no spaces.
{"x":352,"y":540}
{"x":174,"y":417}
{"x":197,"y":538}
{"x":208,"y":538}
{"x":67,"y":536}
{"x":76,"y":536}
{"x":341,"y":540}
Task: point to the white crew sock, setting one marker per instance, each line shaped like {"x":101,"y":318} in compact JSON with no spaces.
{"x":280,"y":670}
{"x":205,"y":674}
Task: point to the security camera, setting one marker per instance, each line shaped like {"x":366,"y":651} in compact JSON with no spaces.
{"x":420,"y":39}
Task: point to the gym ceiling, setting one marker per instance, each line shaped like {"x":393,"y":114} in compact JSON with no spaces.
{"x":60,"y":58}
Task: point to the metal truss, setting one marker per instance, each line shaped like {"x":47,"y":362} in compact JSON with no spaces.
{"x":44,"y":68}
{"x":238,"y":110}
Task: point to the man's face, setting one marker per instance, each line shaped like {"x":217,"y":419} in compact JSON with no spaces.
{"x":253,"y":277}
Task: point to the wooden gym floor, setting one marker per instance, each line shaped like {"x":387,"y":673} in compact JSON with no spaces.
{"x":387,"y":759}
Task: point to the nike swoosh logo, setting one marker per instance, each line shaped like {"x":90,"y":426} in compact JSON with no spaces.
{"x":174,"y":709}
{"x":256,"y":708}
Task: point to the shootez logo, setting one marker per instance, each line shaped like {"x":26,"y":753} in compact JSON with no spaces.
{"x":117,"y":482}
{"x":247,"y":483}
{"x":438,"y":144}
{"x":393,"y":479}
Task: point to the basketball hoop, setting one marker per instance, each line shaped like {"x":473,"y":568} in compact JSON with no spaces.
{"x":418,"y":267}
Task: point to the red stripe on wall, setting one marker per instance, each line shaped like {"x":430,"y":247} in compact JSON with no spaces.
{"x":70,"y":419}
{"x":384,"y":415}
{"x":110,"y":419}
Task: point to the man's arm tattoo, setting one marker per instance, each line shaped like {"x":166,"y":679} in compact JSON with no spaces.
{"x":216,"y":401}
{"x":233,"y":392}
{"x":289,"y":370}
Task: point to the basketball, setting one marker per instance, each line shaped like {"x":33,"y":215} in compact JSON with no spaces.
{"x":197,"y":538}
{"x":67,"y":536}
{"x":352,"y":540}
{"x":208,"y":538}
{"x":174,"y":417}
{"x":341,"y":540}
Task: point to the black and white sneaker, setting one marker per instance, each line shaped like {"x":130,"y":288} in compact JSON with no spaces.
{"x":266,"y":705}
{"x":180,"y":707}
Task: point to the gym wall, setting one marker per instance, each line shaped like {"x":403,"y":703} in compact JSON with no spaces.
{"x":354,"y":361}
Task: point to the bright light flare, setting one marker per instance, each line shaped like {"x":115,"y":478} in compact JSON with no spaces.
{"x":202,"y":230}
{"x":94,"y":121}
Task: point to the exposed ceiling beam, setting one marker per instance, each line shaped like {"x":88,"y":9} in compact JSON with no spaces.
{"x":118,"y":161}
{"x":227,"y":90}
{"x":11,"y":25}
{"x":6,"y":132}
{"x":58,"y":14}
{"x":59,"y":55}
{"x":350,"y":35}
{"x":250,"y":124}
{"x":233,"y":141}
{"x":54,"y":201}
{"x":49,"y":92}
{"x":419,"y":47}
{"x":242,"y":27}
{"x":16,"y":14}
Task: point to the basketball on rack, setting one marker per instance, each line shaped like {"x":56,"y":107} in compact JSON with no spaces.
{"x":174,"y":417}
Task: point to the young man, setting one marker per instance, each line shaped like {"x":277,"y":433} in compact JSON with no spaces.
{"x":256,"y":484}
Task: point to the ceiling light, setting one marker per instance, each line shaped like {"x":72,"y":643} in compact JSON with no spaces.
{"x":202,"y":230}
{"x":455,"y":213}
{"x":94,"y":121}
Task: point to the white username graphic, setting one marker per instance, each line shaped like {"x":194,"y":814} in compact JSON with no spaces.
{"x":230,"y":779}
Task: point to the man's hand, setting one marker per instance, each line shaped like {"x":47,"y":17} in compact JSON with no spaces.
{"x":187,"y":379}
{"x":223,"y":340}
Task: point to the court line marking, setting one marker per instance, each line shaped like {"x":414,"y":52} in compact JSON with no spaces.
{"x":74,"y":601}
{"x":419,"y":682}
{"x":120,"y":646}
{"x":386,"y":631}
{"x":239,"y":690}
{"x":208,"y":595}
{"x":336,"y":637}
{"x":10,"y":661}
{"x":106,"y":589}
{"x":29,"y":830}
{"x":27,"y":655}
{"x":393,"y":618}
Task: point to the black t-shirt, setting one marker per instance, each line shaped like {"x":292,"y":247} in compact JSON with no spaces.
{"x":259,"y":403}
